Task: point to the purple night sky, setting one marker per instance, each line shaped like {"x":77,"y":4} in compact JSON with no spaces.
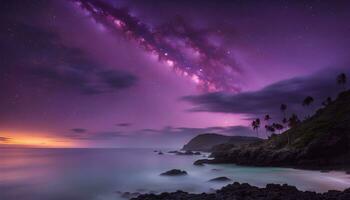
{"x":110,"y":73}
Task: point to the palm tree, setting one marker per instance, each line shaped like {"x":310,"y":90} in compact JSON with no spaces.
{"x":267,"y":118}
{"x":283,"y":109}
{"x":327,"y":102}
{"x":341,"y":80}
{"x":278,"y":126}
{"x":266,"y":128}
{"x":293,"y":121}
{"x":255,"y":125}
{"x":270,"y":129}
{"x":308,"y":101}
{"x":284,"y":120}
{"x":257,"y":121}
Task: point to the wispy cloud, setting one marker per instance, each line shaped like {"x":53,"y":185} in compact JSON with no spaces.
{"x":268,"y":100}
{"x":47,"y":63}
{"x":188,"y":131}
{"x":124,"y":124}
{"x":4,"y":139}
{"x":79,"y":130}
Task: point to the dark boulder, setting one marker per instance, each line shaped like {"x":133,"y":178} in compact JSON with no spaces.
{"x":173,"y":151}
{"x":220,"y":179}
{"x":174,"y":172}
{"x":201,"y":162}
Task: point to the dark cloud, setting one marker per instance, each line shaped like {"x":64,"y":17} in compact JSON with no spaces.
{"x":118,"y":79}
{"x":79,"y":130}
{"x":268,"y":100}
{"x":82,"y":134}
{"x":38,"y":57}
{"x":169,"y":131}
{"x":93,"y":81}
{"x":123,"y":124}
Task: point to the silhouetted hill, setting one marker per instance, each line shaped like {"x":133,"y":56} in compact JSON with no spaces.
{"x":322,"y":141}
{"x":205,"y":142}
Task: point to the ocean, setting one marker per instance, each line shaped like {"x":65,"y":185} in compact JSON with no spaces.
{"x":106,"y":174}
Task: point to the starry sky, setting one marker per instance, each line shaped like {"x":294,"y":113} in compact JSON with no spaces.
{"x":117,"y":73}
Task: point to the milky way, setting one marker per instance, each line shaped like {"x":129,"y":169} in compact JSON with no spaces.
{"x":187,"y":51}
{"x":123,"y":73}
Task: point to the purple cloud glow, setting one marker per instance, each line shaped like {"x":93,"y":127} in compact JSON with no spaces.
{"x":115,"y":68}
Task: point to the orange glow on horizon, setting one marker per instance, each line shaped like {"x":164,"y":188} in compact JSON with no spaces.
{"x":33,"y":140}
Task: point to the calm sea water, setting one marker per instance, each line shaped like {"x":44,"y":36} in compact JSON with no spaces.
{"x":102,"y":174}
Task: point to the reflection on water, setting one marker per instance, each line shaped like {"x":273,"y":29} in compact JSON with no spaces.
{"x":100,"y":174}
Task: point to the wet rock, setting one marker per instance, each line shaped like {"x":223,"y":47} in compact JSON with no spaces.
{"x":237,"y":191}
{"x":128,"y":195}
{"x":174,"y":172}
{"x":201,"y":162}
{"x":173,"y":152}
{"x":220,"y":179}
{"x":186,"y":153}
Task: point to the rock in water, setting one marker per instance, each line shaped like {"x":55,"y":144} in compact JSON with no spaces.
{"x":188,"y":153}
{"x":173,"y":151}
{"x":220,"y":179}
{"x":174,"y":172}
{"x":201,"y":162}
{"x":185,"y":153}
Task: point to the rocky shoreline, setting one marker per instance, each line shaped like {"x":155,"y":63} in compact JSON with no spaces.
{"x":320,"y":142}
{"x":261,"y":157}
{"x":237,"y":191}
